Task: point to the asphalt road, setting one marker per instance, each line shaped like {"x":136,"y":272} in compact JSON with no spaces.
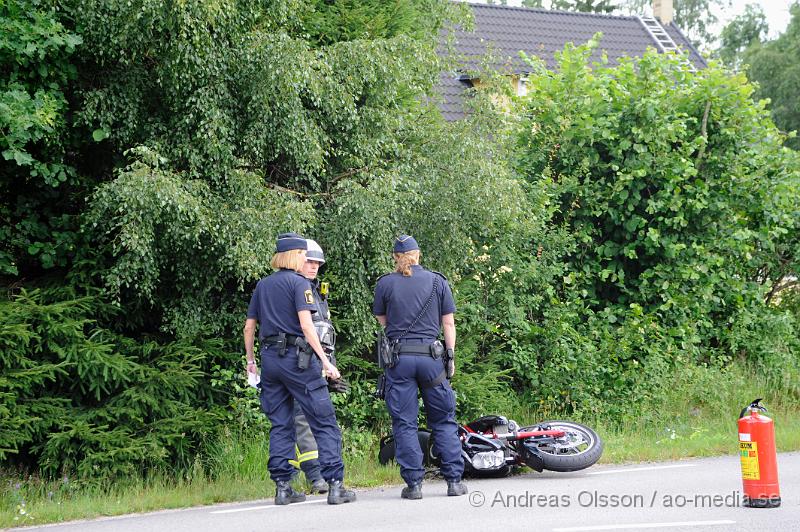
{"x":689,"y":495}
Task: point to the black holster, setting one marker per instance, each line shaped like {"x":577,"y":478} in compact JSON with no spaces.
{"x":280,"y":341}
{"x":447,"y":357}
{"x":386,"y":352}
{"x":304,"y":353}
{"x":380,"y":388}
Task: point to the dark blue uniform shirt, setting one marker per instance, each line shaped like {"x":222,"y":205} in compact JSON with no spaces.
{"x":277,"y":300}
{"x":401,"y":298}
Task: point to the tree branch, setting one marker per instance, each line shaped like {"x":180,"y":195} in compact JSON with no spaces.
{"x":704,"y":134}
{"x":779,"y":287}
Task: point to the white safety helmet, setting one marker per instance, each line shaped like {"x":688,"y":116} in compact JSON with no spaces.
{"x":314,"y":252}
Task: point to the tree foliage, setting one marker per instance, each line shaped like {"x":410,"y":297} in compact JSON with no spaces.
{"x":348,"y":20}
{"x":78,"y":397}
{"x":775,"y":66}
{"x":743,"y":31}
{"x":681,"y":200}
{"x":653,"y":169}
{"x":160,"y":226}
{"x":203,"y":129}
{"x":35,"y":72}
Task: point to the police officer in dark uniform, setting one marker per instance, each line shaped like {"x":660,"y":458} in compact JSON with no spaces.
{"x":413,"y":304}
{"x":307,"y":458}
{"x":281,"y":305}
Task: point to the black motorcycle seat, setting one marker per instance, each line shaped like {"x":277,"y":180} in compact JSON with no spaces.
{"x":486,"y":423}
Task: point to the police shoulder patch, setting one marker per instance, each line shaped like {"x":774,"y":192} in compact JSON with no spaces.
{"x":309,"y":296}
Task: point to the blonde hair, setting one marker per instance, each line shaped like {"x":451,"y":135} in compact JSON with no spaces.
{"x":404,"y":261}
{"x":290,"y":260}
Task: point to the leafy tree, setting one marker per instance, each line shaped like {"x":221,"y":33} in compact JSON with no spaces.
{"x":159,"y":226}
{"x":223,"y":109}
{"x":743,"y":31}
{"x":775,"y":66}
{"x":330,"y":22}
{"x":35,"y":73}
{"x":676,"y":187}
{"x":200,"y":131}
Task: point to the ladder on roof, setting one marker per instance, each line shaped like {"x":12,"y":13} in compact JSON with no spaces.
{"x":661,"y":37}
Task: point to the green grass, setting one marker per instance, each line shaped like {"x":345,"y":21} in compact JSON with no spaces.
{"x":240,"y":466}
{"x":693,"y":437}
{"x":695,"y":417}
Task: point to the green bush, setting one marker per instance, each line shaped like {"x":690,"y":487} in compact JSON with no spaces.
{"x":682,"y":203}
{"x":80,"y":398}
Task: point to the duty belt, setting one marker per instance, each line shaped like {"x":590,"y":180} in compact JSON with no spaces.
{"x":423,"y":351}
{"x":415,"y":349}
{"x":283,"y":340}
{"x":291,"y":339}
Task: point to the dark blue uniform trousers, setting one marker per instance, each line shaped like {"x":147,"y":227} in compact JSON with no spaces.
{"x":283,"y":383}
{"x":403,"y":380}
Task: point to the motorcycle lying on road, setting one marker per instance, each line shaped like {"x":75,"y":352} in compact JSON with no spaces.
{"x":495,"y":446}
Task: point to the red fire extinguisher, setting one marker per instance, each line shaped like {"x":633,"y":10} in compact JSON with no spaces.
{"x":759,"y":459}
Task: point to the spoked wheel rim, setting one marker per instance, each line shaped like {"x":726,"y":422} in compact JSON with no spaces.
{"x":576,"y":440}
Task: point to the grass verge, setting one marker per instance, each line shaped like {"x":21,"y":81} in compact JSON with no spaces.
{"x":696,"y":417}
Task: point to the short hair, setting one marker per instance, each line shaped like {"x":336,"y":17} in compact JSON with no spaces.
{"x":404,"y":261}
{"x":290,"y":260}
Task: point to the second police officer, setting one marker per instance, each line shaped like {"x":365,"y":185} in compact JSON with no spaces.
{"x":413,"y":304}
{"x":281,"y":305}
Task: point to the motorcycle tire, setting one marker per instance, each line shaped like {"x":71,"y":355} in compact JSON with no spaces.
{"x":471,"y":472}
{"x":583,"y":448}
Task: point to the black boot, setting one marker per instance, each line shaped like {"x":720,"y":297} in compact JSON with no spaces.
{"x":285,"y":493}
{"x":338,"y":494}
{"x":456,"y":488}
{"x":412,"y":491}
{"x":319,"y":486}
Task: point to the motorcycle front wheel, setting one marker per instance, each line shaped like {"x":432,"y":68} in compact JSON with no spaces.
{"x":579,"y":448}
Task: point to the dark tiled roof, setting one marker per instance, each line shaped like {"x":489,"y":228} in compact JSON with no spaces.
{"x":452,"y":91}
{"x":506,"y":30}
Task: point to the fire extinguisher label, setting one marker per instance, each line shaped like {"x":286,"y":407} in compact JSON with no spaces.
{"x":748,"y":452}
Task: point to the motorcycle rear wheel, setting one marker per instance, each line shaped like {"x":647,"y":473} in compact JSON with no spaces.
{"x":578,"y":449}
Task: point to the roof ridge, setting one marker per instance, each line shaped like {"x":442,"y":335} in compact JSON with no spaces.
{"x":543,"y":10}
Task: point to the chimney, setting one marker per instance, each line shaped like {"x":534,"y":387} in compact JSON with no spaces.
{"x":662,"y":10}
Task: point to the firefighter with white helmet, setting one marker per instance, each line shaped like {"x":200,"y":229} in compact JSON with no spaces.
{"x":307,"y":454}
